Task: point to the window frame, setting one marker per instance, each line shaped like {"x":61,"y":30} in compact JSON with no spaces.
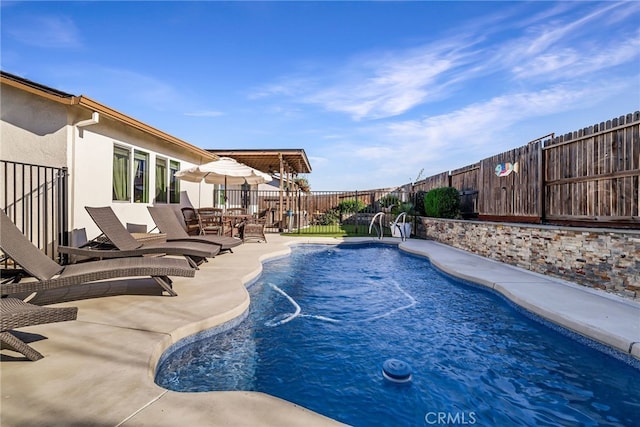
{"x":145,"y":157}
{"x":164,"y":183}
{"x":174,"y":183}
{"x":124,"y":169}
{"x":125,"y":184}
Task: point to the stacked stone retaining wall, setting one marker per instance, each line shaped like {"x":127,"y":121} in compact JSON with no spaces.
{"x":600,"y":258}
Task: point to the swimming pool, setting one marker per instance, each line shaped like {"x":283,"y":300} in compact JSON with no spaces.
{"x":323,"y":321}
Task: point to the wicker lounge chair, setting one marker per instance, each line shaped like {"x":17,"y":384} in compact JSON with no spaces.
{"x":50,"y":274}
{"x":15,"y":313}
{"x":169,"y":224}
{"x":127,"y":246}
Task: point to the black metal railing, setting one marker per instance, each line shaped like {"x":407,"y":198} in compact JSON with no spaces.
{"x":35,"y":197}
{"x":346,"y":213}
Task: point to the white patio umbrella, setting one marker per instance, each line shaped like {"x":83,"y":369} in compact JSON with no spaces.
{"x":225,"y":171}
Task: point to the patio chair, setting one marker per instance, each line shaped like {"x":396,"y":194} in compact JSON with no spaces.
{"x":268,"y":215}
{"x":191,"y":221}
{"x":169,"y":224}
{"x":127,"y":246}
{"x":48,"y":274}
{"x":253,"y":229}
{"x":15,"y":313}
{"x":212,"y":221}
{"x":236,"y":211}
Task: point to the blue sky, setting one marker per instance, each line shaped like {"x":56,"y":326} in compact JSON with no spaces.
{"x":374,"y":92}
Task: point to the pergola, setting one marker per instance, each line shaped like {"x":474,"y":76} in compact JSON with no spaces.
{"x":284,"y":163}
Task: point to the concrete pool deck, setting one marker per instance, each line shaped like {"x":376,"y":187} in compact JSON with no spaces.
{"x":98,"y":370}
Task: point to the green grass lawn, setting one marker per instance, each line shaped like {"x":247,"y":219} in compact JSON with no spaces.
{"x":342,"y":230}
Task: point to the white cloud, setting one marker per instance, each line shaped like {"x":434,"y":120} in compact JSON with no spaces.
{"x":46,"y":31}
{"x":317,"y":160}
{"x":570,"y":62}
{"x":378,"y":84}
{"x":388,"y":84}
{"x":290,"y":85}
{"x":397,"y":85}
{"x":559,"y":45}
{"x":474,"y":131}
{"x":204,"y":114}
{"x":559,"y":27}
{"x":549,"y":46}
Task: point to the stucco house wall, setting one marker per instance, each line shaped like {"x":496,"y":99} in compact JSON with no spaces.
{"x":33,"y":129}
{"x":92,"y":168}
{"x":37,"y":128}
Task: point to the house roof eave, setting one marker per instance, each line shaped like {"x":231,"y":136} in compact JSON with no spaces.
{"x":93,"y":105}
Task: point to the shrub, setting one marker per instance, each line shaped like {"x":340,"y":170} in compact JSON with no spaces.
{"x":331,"y":217}
{"x":351,"y":206}
{"x":388,"y":200}
{"x":443,"y":202}
{"x":403,"y":207}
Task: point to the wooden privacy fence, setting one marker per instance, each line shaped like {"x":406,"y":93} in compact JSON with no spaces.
{"x":587,"y":177}
{"x":593,"y":174}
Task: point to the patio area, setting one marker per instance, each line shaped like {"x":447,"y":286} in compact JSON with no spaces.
{"x":98,"y":370}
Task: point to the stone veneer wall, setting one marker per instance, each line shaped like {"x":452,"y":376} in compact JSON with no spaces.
{"x":601,"y":258}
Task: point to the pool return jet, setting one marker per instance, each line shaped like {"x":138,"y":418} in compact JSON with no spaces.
{"x":399,"y":227}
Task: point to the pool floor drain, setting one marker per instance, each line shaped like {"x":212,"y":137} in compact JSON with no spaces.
{"x":396,"y":371}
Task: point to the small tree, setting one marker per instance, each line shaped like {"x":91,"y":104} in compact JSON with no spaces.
{"x":443,"y":202}
{"x":403,"y":207}
{"x":351,"y":206}
{"x":303,"y":184}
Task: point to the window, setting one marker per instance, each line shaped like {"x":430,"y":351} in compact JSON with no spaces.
{"x":174,"y":183}
{"x":140,"y":177}
{"x":161,"y":180}
{"x":131,"y":171}
{"x":121,"y":180}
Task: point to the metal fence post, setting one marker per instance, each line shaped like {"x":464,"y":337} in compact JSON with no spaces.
{"x":63,"y":212}
{"x":357,"y":211}
{"x":299,"y":209}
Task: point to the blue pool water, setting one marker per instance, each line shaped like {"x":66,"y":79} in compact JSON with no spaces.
{"x":323,"y":321}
